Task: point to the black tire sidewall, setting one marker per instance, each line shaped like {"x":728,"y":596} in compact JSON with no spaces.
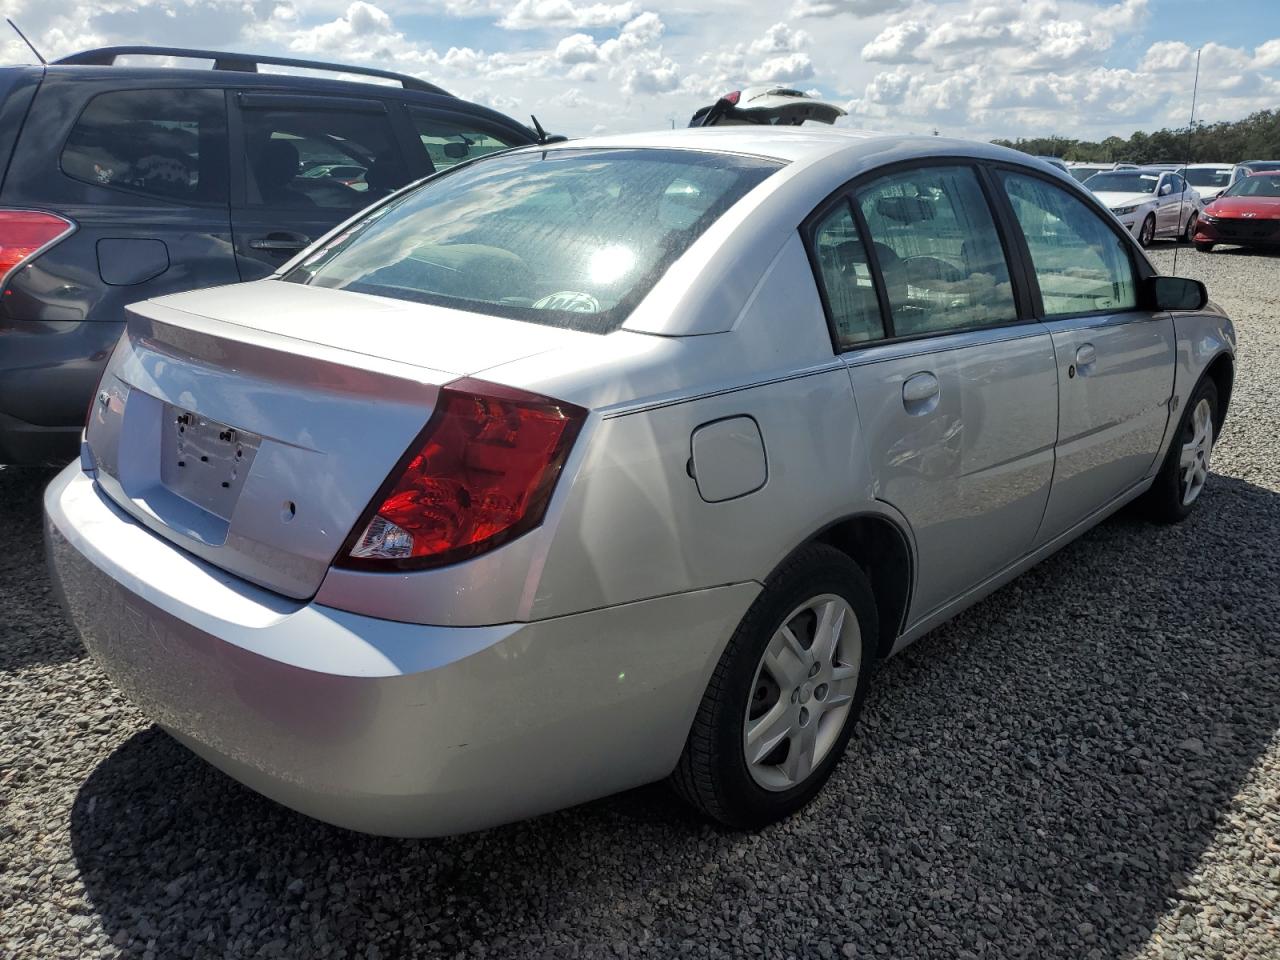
{"x":822,"y":570}
{"x":1142,"y":231}
{"x":1164,"y":501}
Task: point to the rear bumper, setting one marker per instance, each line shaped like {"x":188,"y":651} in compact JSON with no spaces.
{"x":381,"y":726}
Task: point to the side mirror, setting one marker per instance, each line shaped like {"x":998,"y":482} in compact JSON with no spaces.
{"x":455,"y":150}
{"x":1174,"y":293}
{"x":1166,"y":189}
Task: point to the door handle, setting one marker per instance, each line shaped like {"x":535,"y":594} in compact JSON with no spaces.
{"x":920,"y":393}
{"x":279,"y":242}
{"x":1086,"y":355}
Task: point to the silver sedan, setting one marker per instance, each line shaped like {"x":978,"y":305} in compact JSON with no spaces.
{"x":584,"y":466}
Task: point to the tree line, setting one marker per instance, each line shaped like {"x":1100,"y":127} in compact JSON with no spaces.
{"x":1256,"y":137}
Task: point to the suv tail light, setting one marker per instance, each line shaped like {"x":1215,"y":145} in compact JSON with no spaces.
{"x":26,"y":233}
{"x":479,"y":475}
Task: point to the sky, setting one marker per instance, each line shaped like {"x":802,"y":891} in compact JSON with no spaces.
{"x":968,"y":68}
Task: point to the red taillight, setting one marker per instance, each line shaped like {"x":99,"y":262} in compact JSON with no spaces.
{"x":733,"y":97}
{"x":23,"y":234}
{"x":480,"y":474}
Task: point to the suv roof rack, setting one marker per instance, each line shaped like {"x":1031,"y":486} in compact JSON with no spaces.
{"x":241,"y":62}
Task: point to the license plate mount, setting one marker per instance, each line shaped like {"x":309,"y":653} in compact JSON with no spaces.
{"x":204,"y":461}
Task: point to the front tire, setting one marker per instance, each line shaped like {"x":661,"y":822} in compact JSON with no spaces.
{"x":1182,"y":476}
{"x":1147,"y":233}
{"x":1204,"y":247}
{"x":785,"y":695}
{"x":1189,"y":234}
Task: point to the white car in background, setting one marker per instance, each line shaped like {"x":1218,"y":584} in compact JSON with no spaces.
{"x":766,"y":106}
{"x":1082,"y":171}
{"x":1151,"y":203}
{"x":1208,"y":179}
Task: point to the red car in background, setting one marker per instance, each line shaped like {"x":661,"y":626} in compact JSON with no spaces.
{"x":1246,"y":213}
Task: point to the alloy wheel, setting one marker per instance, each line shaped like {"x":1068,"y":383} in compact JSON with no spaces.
{"x":802,"y":692}
{"x":1148,"y":232}
{"x":1197,"y":447}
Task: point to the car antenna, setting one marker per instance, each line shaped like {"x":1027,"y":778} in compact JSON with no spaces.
{"x":26,"y":41}
{"x":1191,"y":127}
{"x":542,"y":134}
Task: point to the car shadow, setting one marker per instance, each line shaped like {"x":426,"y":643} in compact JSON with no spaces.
{"x":32,"y":628}
{"x":1036,"y":778}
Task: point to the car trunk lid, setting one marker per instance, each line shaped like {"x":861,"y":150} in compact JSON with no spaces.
{"x":258,"y":447}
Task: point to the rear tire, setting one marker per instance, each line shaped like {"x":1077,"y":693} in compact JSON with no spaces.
{"x":1181,"y":479}
{"x":1204,"y":247}
{"x":1147,"y":233}
{"x":777,"y":714}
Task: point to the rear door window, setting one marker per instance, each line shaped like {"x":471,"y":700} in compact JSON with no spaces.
{"x":450,"y":140}
{"x":165,"y":144}
{"x":938,"y":250}
{"x":323,"y":158}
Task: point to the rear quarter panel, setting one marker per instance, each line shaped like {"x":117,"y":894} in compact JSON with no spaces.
{"x":1202,"y":336}
{"x":636,"y":525}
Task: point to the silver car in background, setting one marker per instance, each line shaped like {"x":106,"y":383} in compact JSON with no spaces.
{"x":585,"y":466}
{"x":1153,"y":203}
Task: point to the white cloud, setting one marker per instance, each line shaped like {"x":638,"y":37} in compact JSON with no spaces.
{"x":778,"y":55}
{"x":1167,"y":55}
{"x":577,"y":48}
{"x":1125,"y":16}
{"x":898,"y":43}
{"x":1267,"y":55}
{"x":888,"y":88}
{"x":779,"y":38}
{"x":835,"y":8}
{"x":530,"y":14}
{"x":791,"y":68}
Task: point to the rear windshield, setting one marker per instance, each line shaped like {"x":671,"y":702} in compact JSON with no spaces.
{"x":568,"y":238}
{"x":1123,"y":182}
{"x":1208,"y":176}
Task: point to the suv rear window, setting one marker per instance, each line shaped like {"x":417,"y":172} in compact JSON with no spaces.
{"x":570,"y":238}
{"x":169,"y":144}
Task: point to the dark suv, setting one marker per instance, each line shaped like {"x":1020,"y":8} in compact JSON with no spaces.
{"x":119,"y":183}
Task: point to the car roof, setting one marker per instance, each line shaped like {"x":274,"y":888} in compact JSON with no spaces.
{"x":796,"y":144}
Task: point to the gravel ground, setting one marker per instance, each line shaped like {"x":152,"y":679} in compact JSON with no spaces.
{"x":1086,"y":765}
